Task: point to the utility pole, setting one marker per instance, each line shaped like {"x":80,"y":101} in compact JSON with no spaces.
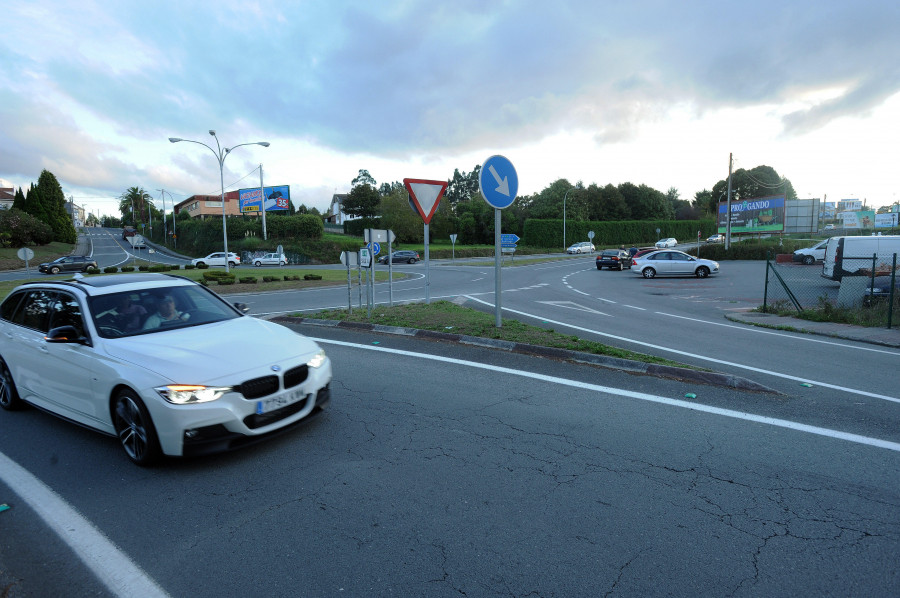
{"x":728,"y":207}
{"x":262,"y":201}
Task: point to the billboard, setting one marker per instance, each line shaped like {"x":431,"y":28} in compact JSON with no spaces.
{"x":829,"y":209}
{"x":858,"y":220}
{"x":850,"y":205}
{"x":888,"y":220}
{"x":759,"y":215}
{"x":277,"y":198}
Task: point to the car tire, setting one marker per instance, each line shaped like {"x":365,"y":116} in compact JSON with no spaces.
{"x":282,"y":263}
{"x":648,"y":273}
{"x":232,"y":265}
{"x":809,"y":260}
{"x":9,"y":397}
{"x":257,"y":264}
{"x":621,"y":266}
{"x":54,"y":270}
{"x":412,"y":260}
{"x":702,"y":272}
{"x":134,"y":428}
{"x":599,"y":267}
{"x":200,"y":264}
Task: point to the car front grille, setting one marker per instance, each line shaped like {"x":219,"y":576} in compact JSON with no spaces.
{"x":295,"y":376}
{"x":259,"y":387}
{"x":258,"y":420}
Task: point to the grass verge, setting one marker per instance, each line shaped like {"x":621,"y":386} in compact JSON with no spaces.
{"x":444,"y":316}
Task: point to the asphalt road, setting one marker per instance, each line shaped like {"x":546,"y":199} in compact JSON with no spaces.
{"x":448,"y":470}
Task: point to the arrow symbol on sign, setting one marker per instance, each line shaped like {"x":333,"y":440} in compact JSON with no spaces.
{"x":503,"y":184}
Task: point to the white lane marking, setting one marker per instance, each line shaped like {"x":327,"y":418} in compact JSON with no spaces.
{"x":703,"y":357}
{"x":635,"y":307}
{"x":582,"y":292}
{"x":121,"y":575}
{"x":621,"y":392}
{"x":573,"y":305}
{"x":790,"y":336}
{"x":606,"y":300}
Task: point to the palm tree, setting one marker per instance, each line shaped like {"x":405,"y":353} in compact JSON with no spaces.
{"x":136,"y":198}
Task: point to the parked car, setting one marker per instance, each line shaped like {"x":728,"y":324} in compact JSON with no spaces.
{"x":614,"y":259}
{"x":270,"y":259}
{"x":180,"y":388}
{"x":583,"y":247}
{"x":829,"y":227}
{"x":880,"y":290}
{"x":811,"y":255}
{"x":218,"y":259}
{"x":644,"y":251}
{"x":401,"y":256}
{"x":717,"y":238}
{"x":665,"y":243}
{"x":68,"y":263}
{"x":673,"y":263}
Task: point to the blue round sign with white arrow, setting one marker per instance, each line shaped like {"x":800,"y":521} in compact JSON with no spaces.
{"x":498,"y":182}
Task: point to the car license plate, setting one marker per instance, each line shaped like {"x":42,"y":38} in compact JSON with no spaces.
{"x":283,"y":400}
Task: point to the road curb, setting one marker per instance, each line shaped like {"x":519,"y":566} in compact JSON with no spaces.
{"x":627,"y":365}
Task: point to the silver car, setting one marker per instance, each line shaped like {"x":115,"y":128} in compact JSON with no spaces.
{"x":270,"y":259}
{"x":673,"y":263}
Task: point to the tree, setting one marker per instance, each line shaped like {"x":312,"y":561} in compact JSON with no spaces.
{"x":19,"y":200}
{"x":398,"y":217}
{"x":49,"y":195}
{"x":462,"y":187}
{"x":362,"y":201}
{"x":363,"y":178}
{"x":612,"y":204}
{"x":762,"y":181}
{"x":137,"y":198}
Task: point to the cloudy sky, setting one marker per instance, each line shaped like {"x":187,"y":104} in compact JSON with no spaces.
{"x":599,"y":91}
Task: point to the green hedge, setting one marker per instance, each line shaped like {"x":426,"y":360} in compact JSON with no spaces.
{"x":110,"y":269}
{"x":549,"y":233}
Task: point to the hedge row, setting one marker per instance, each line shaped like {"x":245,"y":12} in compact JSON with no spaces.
{"x":549,"y":233}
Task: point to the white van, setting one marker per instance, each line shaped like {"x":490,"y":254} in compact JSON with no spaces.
{"x":846,"y":256}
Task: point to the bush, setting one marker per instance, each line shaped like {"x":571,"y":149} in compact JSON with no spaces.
{"x":110,"y":269}
{"x":127,"y":268}
{"x":144,"y":268}
{"x":202,"y":266}
{"x":189,"y":266}
{"x":159,"y":268}
{"x":227,"y":279}
{"x":248,"y":280}
{"x":311,"y":277}
{"x":174,"y":267}
{"x":93,"y":270}
{"x":270,"y":278}
{"x":214,"y":275}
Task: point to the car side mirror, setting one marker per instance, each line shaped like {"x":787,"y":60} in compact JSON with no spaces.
{"x":242,"y":307}
{"x":65,"y":334}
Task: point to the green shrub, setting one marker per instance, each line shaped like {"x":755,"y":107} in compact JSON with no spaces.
{"x":189,"y":266}
{"x":227,"y":279}
{"x":143,"y":268}
{"x":311,"y":277}
{"x":248,"y":280}
{"x":93,"y":270}
{"x":159,"y":268}
{"x":110,"y":269}
{"x":174,"y":267}
{"x":214,"y":275}
{"x":270,"y":278}
{"x":127,"y":268}
{"x":202,"y":266}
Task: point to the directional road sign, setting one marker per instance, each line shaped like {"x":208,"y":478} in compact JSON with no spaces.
{"x":498,"y":182}
{"x":425,"y":195}
{"x":509,"y":239}
{"x":376,"y":248}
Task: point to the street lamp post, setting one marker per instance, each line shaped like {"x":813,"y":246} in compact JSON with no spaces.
{"x":566,"y":196}
{"x":221,"y":154}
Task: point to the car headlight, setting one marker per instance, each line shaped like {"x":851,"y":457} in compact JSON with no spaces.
{"x":317,"y":360}
{"x":184,"y":394}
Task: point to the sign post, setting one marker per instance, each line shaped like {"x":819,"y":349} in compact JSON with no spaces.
{"x":453,"y":244}
{"x":349,"y":259}
{"x":499,"y":184}
{"x":424,"y":197}
{"x":25,"y":254}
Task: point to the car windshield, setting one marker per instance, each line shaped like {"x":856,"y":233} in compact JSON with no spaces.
{"x":608,"y":253}
{"x":146,"y":311}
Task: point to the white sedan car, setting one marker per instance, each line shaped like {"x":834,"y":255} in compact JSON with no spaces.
{"x":270,"y":259}
{"x":159,"y":361}
{"x":673,"y":263}
{"x":583,"y":247}
{"x":666,"y":243}
{"x":218,"y":259}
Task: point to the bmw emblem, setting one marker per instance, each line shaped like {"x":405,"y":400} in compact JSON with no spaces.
{"x":276,"y":368}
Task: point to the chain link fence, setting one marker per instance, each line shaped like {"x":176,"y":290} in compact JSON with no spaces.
{"x":866,"y":293}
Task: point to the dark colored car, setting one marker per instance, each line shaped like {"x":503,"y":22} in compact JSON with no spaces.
{"x":404,"y":256}
{"x":614,"y":259}
{"x":68,"y":263}
{"x":880,"y":290}
{"x":643,"y":251}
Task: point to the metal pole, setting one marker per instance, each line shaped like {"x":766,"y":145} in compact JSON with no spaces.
{"x":728,"y":208}
{"x":427,"y":278}
{"x":349,"y":286}
{"x":766,"y":288}
{"x":497,"y":318}
{"x":165,"y":221}
{"x":390,"y":262}
{"x":262,"y":200}
{"x":891,"y":294}
{"x":564,"y":218}
{"x":359,"y":280}
{"x":224,"y":224}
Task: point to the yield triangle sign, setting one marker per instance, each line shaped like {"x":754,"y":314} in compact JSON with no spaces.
{"x":426,"y":195}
